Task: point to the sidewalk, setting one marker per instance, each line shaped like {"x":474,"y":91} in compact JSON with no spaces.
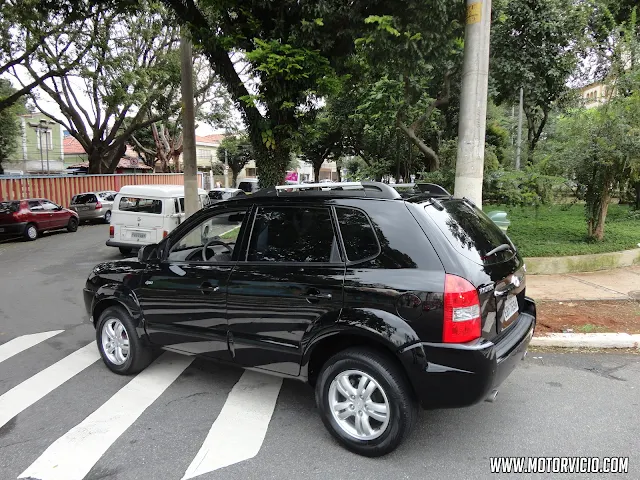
{"x":618,"y":284}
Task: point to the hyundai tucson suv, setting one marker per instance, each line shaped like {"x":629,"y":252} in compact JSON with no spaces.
{"x":383,"y":304}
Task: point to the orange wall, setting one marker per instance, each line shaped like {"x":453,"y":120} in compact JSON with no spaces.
{"x":61,"y":189}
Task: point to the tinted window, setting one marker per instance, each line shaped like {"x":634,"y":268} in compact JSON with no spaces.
{"x":9,"y":207}
{"x":142,"y":205}
{"x":247,"y":186}
{"x":35,"y":206}
{"x":47,"y":205}
{"x":470,"y":231}
{"x":107,"y":196}
{"x":84,"y":198}
{"x":357,"y":234}
{"x":293,"y":235}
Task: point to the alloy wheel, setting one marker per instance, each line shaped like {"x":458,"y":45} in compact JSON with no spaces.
{"x":115,"y":341}
{"x":359,"y":405}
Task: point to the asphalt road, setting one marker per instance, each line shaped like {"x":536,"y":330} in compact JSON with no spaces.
{"x":554,"y":404}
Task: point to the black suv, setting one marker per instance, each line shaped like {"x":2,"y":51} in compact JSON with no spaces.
{"x":379,"y":301}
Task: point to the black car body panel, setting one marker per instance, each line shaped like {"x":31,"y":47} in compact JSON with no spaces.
{"x":279,"y":316}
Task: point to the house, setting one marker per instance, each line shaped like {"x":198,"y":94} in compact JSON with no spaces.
{"x":206,"y":150}
{"x":594,"y":94}
{"x":40,"y":149}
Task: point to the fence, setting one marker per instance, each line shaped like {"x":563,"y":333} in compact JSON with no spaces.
{"x":60,"y":189}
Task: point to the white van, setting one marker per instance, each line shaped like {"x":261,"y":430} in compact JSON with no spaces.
{"x":145,"y":214}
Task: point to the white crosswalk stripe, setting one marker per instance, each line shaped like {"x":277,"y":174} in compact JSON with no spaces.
{"x":238,"y":432}
{"x":73,"y":455}
{"x":19,"y":344}
{"x":30,"y":391}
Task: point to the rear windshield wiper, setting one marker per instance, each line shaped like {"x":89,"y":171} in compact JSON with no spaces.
{"x":499,"y":248}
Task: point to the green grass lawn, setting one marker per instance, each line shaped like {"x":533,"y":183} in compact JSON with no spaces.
{"x":560,"y":230}
{"x":231,"y":234}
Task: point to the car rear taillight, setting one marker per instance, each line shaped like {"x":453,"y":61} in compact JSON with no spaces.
{"x":164,"y":234}
{"x":111,"y":231}
{"x":462,"y":322}
{"x":98,"y":206}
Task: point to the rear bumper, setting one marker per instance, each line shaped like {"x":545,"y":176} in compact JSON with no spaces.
{"x":114,"y":243}
{"x":91,"y":214}
{"x":459,"y":375}
{"x":12,"y":229}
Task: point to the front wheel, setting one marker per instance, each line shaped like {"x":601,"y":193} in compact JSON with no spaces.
{"x":120,"y":347}
{"x":125,"y":250}
{"x":365,"y":401}
{"x":72,"y":226}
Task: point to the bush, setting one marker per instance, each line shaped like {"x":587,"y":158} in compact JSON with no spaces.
{"x":524,"y":187}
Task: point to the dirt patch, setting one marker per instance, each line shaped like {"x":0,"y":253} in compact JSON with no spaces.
{"x":588,"y":317}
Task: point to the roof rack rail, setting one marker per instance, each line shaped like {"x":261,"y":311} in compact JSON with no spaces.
{"x":363,"y":189}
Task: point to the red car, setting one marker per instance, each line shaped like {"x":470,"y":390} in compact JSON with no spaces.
{"x":32,"y":216}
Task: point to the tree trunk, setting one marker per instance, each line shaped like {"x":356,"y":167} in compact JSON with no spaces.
{"x":338,"y":171}
{"x":234,"y":178}
{"x":316,"y":172}
{"x":637,"y":196}
{"x":598,"y":232}
{"x":95,"y":162}
{"x":271,"y":166}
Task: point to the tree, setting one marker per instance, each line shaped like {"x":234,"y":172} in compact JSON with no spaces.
{"x":290,"y":54}
{"x":319,"y":142}
{"x":537,"y":46}
{"x":238,"y":151}
{"x":10,"y":126}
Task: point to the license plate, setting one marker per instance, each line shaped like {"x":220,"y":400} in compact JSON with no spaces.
{"x":510,"y":308}
{"x":138,"y":235}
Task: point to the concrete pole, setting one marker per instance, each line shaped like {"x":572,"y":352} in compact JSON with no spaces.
{"x":226,"y":169}
{"x":188,"y":128}
{"x":519,"y":145}
{"x":46,"y":136}
{"x":473,"y":102}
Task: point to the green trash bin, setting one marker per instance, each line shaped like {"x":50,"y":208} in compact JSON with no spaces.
{"x":500,"y":219}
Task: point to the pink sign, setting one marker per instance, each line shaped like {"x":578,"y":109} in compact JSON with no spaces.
{"x":291,"y":177}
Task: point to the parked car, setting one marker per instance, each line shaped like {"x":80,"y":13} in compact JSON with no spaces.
{"x":145,"y":214}
{"x":32,"y":216}
{"x":249,"y":185}
{"x":380,"y":303}
{"x":218,"y":194}
{"x":94,"y":205}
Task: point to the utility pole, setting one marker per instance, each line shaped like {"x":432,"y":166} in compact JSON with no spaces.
{"x":473,"y":101}
{"x":519,"y":145}
{"x":46,"y":136}
{"x":188,"y":128}
{"x":40,"y":128}
{"x":226,"y":169}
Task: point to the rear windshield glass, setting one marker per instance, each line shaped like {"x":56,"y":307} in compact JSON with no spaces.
{"x":84,"y":198}
{"x":246,"y":186}
{"x":9,"y":207}
{"x":141,"y":205}
{"x":470,"y":231}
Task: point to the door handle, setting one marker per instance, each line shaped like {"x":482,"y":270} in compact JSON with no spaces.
{"x":206,"y":288}
{"x":314,"y":296}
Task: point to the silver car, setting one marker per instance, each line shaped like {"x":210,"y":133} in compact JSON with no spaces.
{"x":93,"y":205}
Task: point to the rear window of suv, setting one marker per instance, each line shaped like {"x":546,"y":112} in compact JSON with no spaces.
{"x":470,"y":231}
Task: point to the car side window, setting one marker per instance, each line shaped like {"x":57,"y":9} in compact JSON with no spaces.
{"x":293,"y":234}
{"x":358,"y":236}
{"x":35,"y":206}
{"x":140,"y":205}
{"x":47,"y":205}
{"x":213,"y":233}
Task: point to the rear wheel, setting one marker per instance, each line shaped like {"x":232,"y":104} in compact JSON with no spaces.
{"x":31,"y":232}
{"x":365,"y":401}
{"x":125,"y":250}
{"x":120,"y":347}
{"x":72,"y":226}
{"x":107,"y":217}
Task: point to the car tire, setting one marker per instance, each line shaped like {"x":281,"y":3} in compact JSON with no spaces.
{"x":72,"y":226}
{"x":391,"y":390}
{"x":31,"y":232}
{"x":107,"y":217}
{"x":114,"y":330}
{"x":125,"y":250}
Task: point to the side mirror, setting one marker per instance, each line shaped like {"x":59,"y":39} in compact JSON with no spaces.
{"x":148,"y":252}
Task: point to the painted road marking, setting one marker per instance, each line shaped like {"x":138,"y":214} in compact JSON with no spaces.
{"x":238,"y":432}
{"x":33,"y":389}
{"x":73,"y":455}
{"x":19,"y":344}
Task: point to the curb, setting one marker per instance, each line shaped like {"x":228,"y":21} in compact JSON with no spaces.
{"x":588,"y":340}
{"x":582,"y":263}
